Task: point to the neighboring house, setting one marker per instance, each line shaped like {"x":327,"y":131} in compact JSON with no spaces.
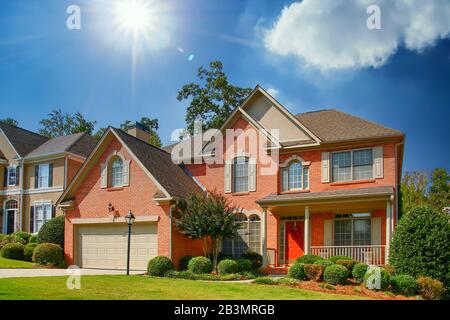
{"x":333,"y":190}
{"x":35,"y":171}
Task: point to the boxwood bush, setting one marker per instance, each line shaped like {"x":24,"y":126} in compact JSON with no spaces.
{"x":184,"y":261}
{"x":385,"y":278}
{"x":48,"y":254}
{"x":28,"y":251}
{"x":158,"y":266}
{"x":255,"y":258}
{"x":335,"y":274}
{"x":12,"y":251}
{"x":53,"y":231}
{"x":266,"y":280}
{"x":334,"y":259}
{"x":359,"y":271}
{"x":308,"y":259}
{"x":314,"y":272}
{"x":227,"y":266}
{"x":200,"y":265}
{"x":430,"y":289}
{"x":349,"y":264}
{"x":25,"y":236}
{"x":324,"y":263}
{"x":297,"y":271}
{"x":33,"y":239}
{"x":404,"y":284}
{"x":244,"y":265}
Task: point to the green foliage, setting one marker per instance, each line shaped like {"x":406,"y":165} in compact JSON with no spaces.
{"x":184,"y":261}
{"x":213,"y":100}
{"x":208,"y":217}
{"x":297,"y":271}
{"x":266,"y":280}
{"x":308,"y":259}
{"x":404,"y":284}
{"x":53,"y":231}
{"x":227,"y":267}
{"x":10,"y":121}
{"x":286,"y":281}
{"x":359,"y":271}
{"x":327,"y":286}
{"x":430,"y":289}
{"x":6,"y":239}
{"x":244,"y":265}
{"x":314,"y":272}
{"x":12,"y":251}
{"x":207,"y":276}
{"x":384,"y":281}
{"x":158,"y":266}
{"x":61,"y":124}
{"x":152,"y":126}
{"x":334,"y":259}
{"x":414,"y":190}
{"x":324,"y":263}
{"x":48,"y":254}
{"x":28,"y":251}
{"x":439,"y":193}
{"x":349,"y":264}
{"x":200,"y":265}
{"x":255,"y":258}
{"x":25,"y":236}
{"x":421,"y":244}
{"x":335,"y":274}
{"x":33,"y":239}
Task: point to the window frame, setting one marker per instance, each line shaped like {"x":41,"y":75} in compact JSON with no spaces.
{"x":348,"y":217}
{"x":351,"y":151}
{"x":285,"y":173}
{"x":42,"y":205}
{"x":246,"y":232}
{"x":111,"y":172}
{"x":233,"y":174}
{"x":39,"y":177}
{"x":12,"y":169}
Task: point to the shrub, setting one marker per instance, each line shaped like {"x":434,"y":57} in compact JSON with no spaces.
{"x":430,"y":289}
{"x":326,"y":286}
{"x":223,"y":256}
{"x":266,"y":280}
{"x":33,"y":239}
{"x":184,"y":261}
{"x":11,"y":239}
{"x":53,"y":231}
{"x":244,"y":265}
{"x":349,"y":264}
{"x":48,"y":254}
{"x":324,"y":263}
{"x":12,"y":251}
{"x":3,"y":237}
{"x":384,"y":281}
{"x":255,"y":258}
{"x":314,"y":272}
{"x":335,"y":274}
{"x":390,"y":269}
{"x":404,"y":284}
{"x":25,"y":236}
{"x":359,"y":271}
{"x":227,"y":267}
{"x":200,"y":265}
{"x":158,"y":266}
{"x":297,"y":271}
{"x":334,"y":259}
{"x":308,"y":259}
{"x":28,"y":251}
{"x":288,"y":282}
{"x":420,"y":244}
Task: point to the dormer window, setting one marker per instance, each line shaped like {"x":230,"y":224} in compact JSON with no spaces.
{"x":295,"y":176}
{"x":116,"y":172}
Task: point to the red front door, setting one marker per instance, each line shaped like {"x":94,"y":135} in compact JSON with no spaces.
{"x":294,"y":240}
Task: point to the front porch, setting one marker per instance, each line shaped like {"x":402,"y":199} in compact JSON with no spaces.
{"x":356,"y":223}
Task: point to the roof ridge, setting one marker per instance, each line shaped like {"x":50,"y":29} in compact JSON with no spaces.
{"x":313,"y":111}
{"x":76,"y":140}
{"x":142,"y":141}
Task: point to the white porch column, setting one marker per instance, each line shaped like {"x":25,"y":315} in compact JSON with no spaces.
{"x":388,"y":230}
{"x":307,"y":235}
{"x":264,"y":238}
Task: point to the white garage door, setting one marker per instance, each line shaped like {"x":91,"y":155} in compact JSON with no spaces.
{"x":105,"y":246}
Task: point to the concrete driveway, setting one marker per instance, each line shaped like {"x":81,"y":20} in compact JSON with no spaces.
{"x":23,"y":273}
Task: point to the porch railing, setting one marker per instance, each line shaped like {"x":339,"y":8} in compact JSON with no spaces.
{"x":365,"y":254}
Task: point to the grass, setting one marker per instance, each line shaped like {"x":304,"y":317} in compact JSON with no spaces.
{"x":14,"y":264}
{"x":144,"y":288}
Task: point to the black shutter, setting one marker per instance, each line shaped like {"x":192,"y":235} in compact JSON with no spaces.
{"x":36,"y":177}
{"x":31,"y":219}
{"x":5,"y":177}
{"x":53,"y":211}
{"x":17,"y":175}
{"x":50,"y":175}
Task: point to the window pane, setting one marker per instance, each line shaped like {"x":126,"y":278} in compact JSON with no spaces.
{"x":361,"y":232}
{"x":227,"y":247}
{"x":284,"y":182}
{"x":240,"y":243}
{"x":295,"y":176}
{"x":43,"y":176}
{"x":362,"y":164}
{"x":341,"y":166}
{"x":254,"y":238}
{"x":116,"y":173}
{"x":305,"y":178}
{"x":343,"y":232}
{"x":240,"y":174}
{"x":11,"y":176}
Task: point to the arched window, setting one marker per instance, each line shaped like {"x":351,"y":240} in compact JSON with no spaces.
{"x":295,"y":176}
{"x":240,"y":174}
{"x":116,"y":172}
{"x":11,"y":205}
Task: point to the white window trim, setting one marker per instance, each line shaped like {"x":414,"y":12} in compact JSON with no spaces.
{"x":12,"y":168}
{"x":248,"y":158}
{"x":352,"y":219}
{"x":37,"y":204}
{"x":39,"y":175}
{"x":5,"y":216}
{"x":351,"y":165}
{"x":247,"y":217}
{"x":286,"y":167}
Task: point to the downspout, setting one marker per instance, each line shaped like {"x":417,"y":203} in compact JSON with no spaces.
{"x":397,"y":183}
{"x":170,"y":233}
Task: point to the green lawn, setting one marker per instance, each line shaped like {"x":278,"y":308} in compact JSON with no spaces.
{"x":140,"y":287}
{"x":14,"y":264}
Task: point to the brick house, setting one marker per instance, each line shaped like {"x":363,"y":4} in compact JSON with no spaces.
{"x":332,"y":191}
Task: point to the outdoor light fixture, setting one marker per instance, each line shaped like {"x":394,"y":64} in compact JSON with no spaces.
{"x":110,"y":207}
{"x":129,"y":218}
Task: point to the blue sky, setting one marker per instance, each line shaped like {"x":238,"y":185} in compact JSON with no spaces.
{"x":44,"y":66}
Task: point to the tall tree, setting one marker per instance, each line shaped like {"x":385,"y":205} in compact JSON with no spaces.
{"x":60,"y":124}
{"x":439,"y":194}
{"x":414,"y":190}
{"x":10,"y":121}
{"x":152,"y":126}
{"x":213,"y":100}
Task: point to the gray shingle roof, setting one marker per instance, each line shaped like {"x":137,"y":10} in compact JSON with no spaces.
{"x":23,"y":141}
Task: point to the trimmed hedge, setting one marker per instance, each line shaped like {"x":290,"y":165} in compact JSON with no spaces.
{"x":324,"y":263}
{"x":208,"y":276}
{"x":308,"y":259}
{"x":404,"y":284}
{"x":244,"y":265}
{"x":430,"y":289}
{"x":33,"y":239}
{"x":48,"y":254}
{"x":334,"y":259}
{"x":158,"y":266}
{"x":227,"y":266}
{"x":349,"y":264}
{"x":28,"y":251}
{"x":200,"y":265}
{"x":385,"y":278}
{"x":335,"y":274}
{"x":266,"y":280}
{"x":53,"y":231}
{"x":12,"y":251}
{"x":184,"y":261}
{"x":359,"y":271}
{"x":255,"y":258}
{"x":25,"y":236}
{"x":297,"y":271}
{"x":314,"y":272}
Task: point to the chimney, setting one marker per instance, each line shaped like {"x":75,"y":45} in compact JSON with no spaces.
{"x":140,"y":131}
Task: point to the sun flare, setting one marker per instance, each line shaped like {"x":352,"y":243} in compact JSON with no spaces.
{"x":134,"y":16}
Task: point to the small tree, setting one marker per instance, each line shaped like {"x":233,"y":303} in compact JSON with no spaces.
{"x":209,"y":217}
{"x":439,"y":193}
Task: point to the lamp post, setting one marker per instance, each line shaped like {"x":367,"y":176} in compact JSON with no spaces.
{"x":129,"y":218}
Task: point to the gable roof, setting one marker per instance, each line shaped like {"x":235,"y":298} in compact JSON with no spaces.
{"x":23,"y":141}
{"x":79,"y":143}
{"x":2,"y":156}
{"x":335,"y":126}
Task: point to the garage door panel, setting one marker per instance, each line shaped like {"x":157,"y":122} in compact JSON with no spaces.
{"x":105,"y":246}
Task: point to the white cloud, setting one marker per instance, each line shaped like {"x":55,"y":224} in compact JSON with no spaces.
{"x":273,"y":92}
{"x":333,"y":34}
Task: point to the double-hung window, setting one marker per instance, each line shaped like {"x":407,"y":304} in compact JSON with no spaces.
{"x":352,"y":230}
{"x":240,"y":174}
{"x":43,"y":176}
{"x":12,"y":176}
{"x":248,"y":237}
{"x":352,"y":165}
{"x":42,"y":214}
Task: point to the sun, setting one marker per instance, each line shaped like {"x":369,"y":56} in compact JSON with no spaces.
{"x":134,"y":16}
